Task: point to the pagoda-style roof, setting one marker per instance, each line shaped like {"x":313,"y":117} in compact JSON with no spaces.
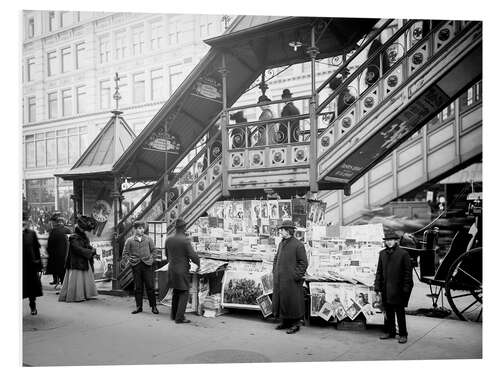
{"x":250,"y":45}
{"x":99,"y":158}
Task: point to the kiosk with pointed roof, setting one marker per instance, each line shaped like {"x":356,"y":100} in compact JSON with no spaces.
{"x":97,"y":188}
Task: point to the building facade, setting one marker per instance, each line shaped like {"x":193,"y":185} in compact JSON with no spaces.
{"x":69,"y":60}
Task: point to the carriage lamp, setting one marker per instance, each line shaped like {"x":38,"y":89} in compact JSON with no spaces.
{"x":295,"y":45}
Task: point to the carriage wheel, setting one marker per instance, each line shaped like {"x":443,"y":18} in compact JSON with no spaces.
{"x":464,"y":286}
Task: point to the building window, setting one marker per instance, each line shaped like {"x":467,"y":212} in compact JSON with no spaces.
{"x":174,"y":34}
{"x":65,"y":59}
{"x":121,"y":44}
{"x":210,"y":28}
{"x":52,"y":21}
{"x":29,"y":151}
{"x":40,"y":196}
{"x":31,"y":109}
{"x":137,"y":40}
{"x":81,"y":99}
{"x":139,"y":88}
{"x":448,"y":112}
{"x":52,"y":105}
{"x":51,"y":147}
{"x":62,"y":147}
{"x":73,"y":146}
{"x":67,"y":102}
{"x":31,"y":28}
{"x":123,"y":87}
{"x":105,"y":92}
{"x":66,"y":19}
{"x":175,"y":77}
{"x":41,"y":155}
{"x":157,"y":84}
{"x":31,"y":65}
{"x":104,"y":49}
{"x":83,"y":139}
{"x":156,"y":36}
{"x":51,"y":63}
{"x":203,"y":30}
{"x":79,"y":52}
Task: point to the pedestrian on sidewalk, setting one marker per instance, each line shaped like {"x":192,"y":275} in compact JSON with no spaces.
{"x":289,"y":268}
{"x":32,"y":265}
{"x":139,"y":251}
{"x":179,"y":252}
{"x":393,"y":281}
{"x":57,"y":249}
{"x":79,"y":284}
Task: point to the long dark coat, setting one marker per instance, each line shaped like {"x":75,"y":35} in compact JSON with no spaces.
{"x":289,"y":268}
{"x":80,"y":252}
{"x":290,"y":110}
{"x":57,"y":249}
{"x":394,"y":276}
{"x":32,"y":265}
{"x":179,"y":251}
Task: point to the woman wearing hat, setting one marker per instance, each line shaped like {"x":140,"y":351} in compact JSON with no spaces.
{"x":393,"y":283}
{"x":79,"y":284}
{"x":289,"y":268}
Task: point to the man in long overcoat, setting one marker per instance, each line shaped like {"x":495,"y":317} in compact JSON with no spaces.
{"x":394,"y":282}
{"x":289,"y":268}
{"x":289,"y":110}
{"x":32,"y":266}
{"x":57,"y":249}
{"x":179,"y":252}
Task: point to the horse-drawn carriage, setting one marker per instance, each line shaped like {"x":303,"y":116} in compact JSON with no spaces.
{"x":459,"y":275}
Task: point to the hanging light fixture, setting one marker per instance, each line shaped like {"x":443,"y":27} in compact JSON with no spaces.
{"x":295,"y":45}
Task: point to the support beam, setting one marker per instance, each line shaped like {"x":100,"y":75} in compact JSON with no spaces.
{"x":458,"y":126}
{"x":313,"y":51}
{"x":224,"y":123}
{"x":116,"y":211}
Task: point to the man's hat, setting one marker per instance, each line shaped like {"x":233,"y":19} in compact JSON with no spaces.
{"x":263,"y":99}
{"x":86,"y":223}
{"x":56,"y":216}
{"x":390,"y":234}
{"x":179,"y":223}
{"x":287,"y":224}
{"x":286,"y":94}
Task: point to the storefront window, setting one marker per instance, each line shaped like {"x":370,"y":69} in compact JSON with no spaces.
{"x":51,"y":149}
{"x":40,"y":150}
{"x":64,"y":202}
{"x":29,"y":147}
{"x":73,"y":146}
{"x":40,"y":197}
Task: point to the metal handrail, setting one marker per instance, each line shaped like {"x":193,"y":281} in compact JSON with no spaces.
{"x":269,"y":103}
{"x":363,"y":66}
{"x":273,"y":120}
{"x":169,"y":170}
{"x":355,"y":54}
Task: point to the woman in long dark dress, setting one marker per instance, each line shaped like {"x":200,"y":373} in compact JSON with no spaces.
{"x":32,"y":266}
{"x":79,"y":284}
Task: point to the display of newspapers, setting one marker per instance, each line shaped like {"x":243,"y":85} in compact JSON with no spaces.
{"x":244,"y":282}
{"x":337,"y":301}
{"x":248,"y":229}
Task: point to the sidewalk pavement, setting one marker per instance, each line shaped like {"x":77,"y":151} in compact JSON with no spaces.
{"x":103,"y":332}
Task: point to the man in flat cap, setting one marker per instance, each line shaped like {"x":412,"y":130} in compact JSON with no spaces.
{"x":289,"y":110}
{"x":139,"y":252}
{"x":179,"y":252}
{"x":393,"y":281}
{"x":289,"y":268}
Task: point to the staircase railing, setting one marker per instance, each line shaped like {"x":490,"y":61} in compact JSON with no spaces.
{"x":158,"y":187}
{"x":415,"y":43}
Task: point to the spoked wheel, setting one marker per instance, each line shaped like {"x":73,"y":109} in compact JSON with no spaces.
{"x":464,"y":286}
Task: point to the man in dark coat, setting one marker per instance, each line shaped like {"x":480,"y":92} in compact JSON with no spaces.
{"x":32,"y":266}
{"x":394,"y":282}
{"x":289,"y":268}
{"x":289,"y":110}
{"x":179,"y":252}
{"x":139,"y":252}
{"x":57,"y":249}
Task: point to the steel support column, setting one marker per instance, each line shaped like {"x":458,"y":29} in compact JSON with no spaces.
{"x":313,"y":51}
{"x":223,"y":127}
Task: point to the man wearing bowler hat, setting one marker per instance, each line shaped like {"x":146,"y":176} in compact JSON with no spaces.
{"x":289,"y":268}
{"x":289,"y":110}
{"x":179,"y":252}
{"x":393,"y":282}
{"x":139,"y":251}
